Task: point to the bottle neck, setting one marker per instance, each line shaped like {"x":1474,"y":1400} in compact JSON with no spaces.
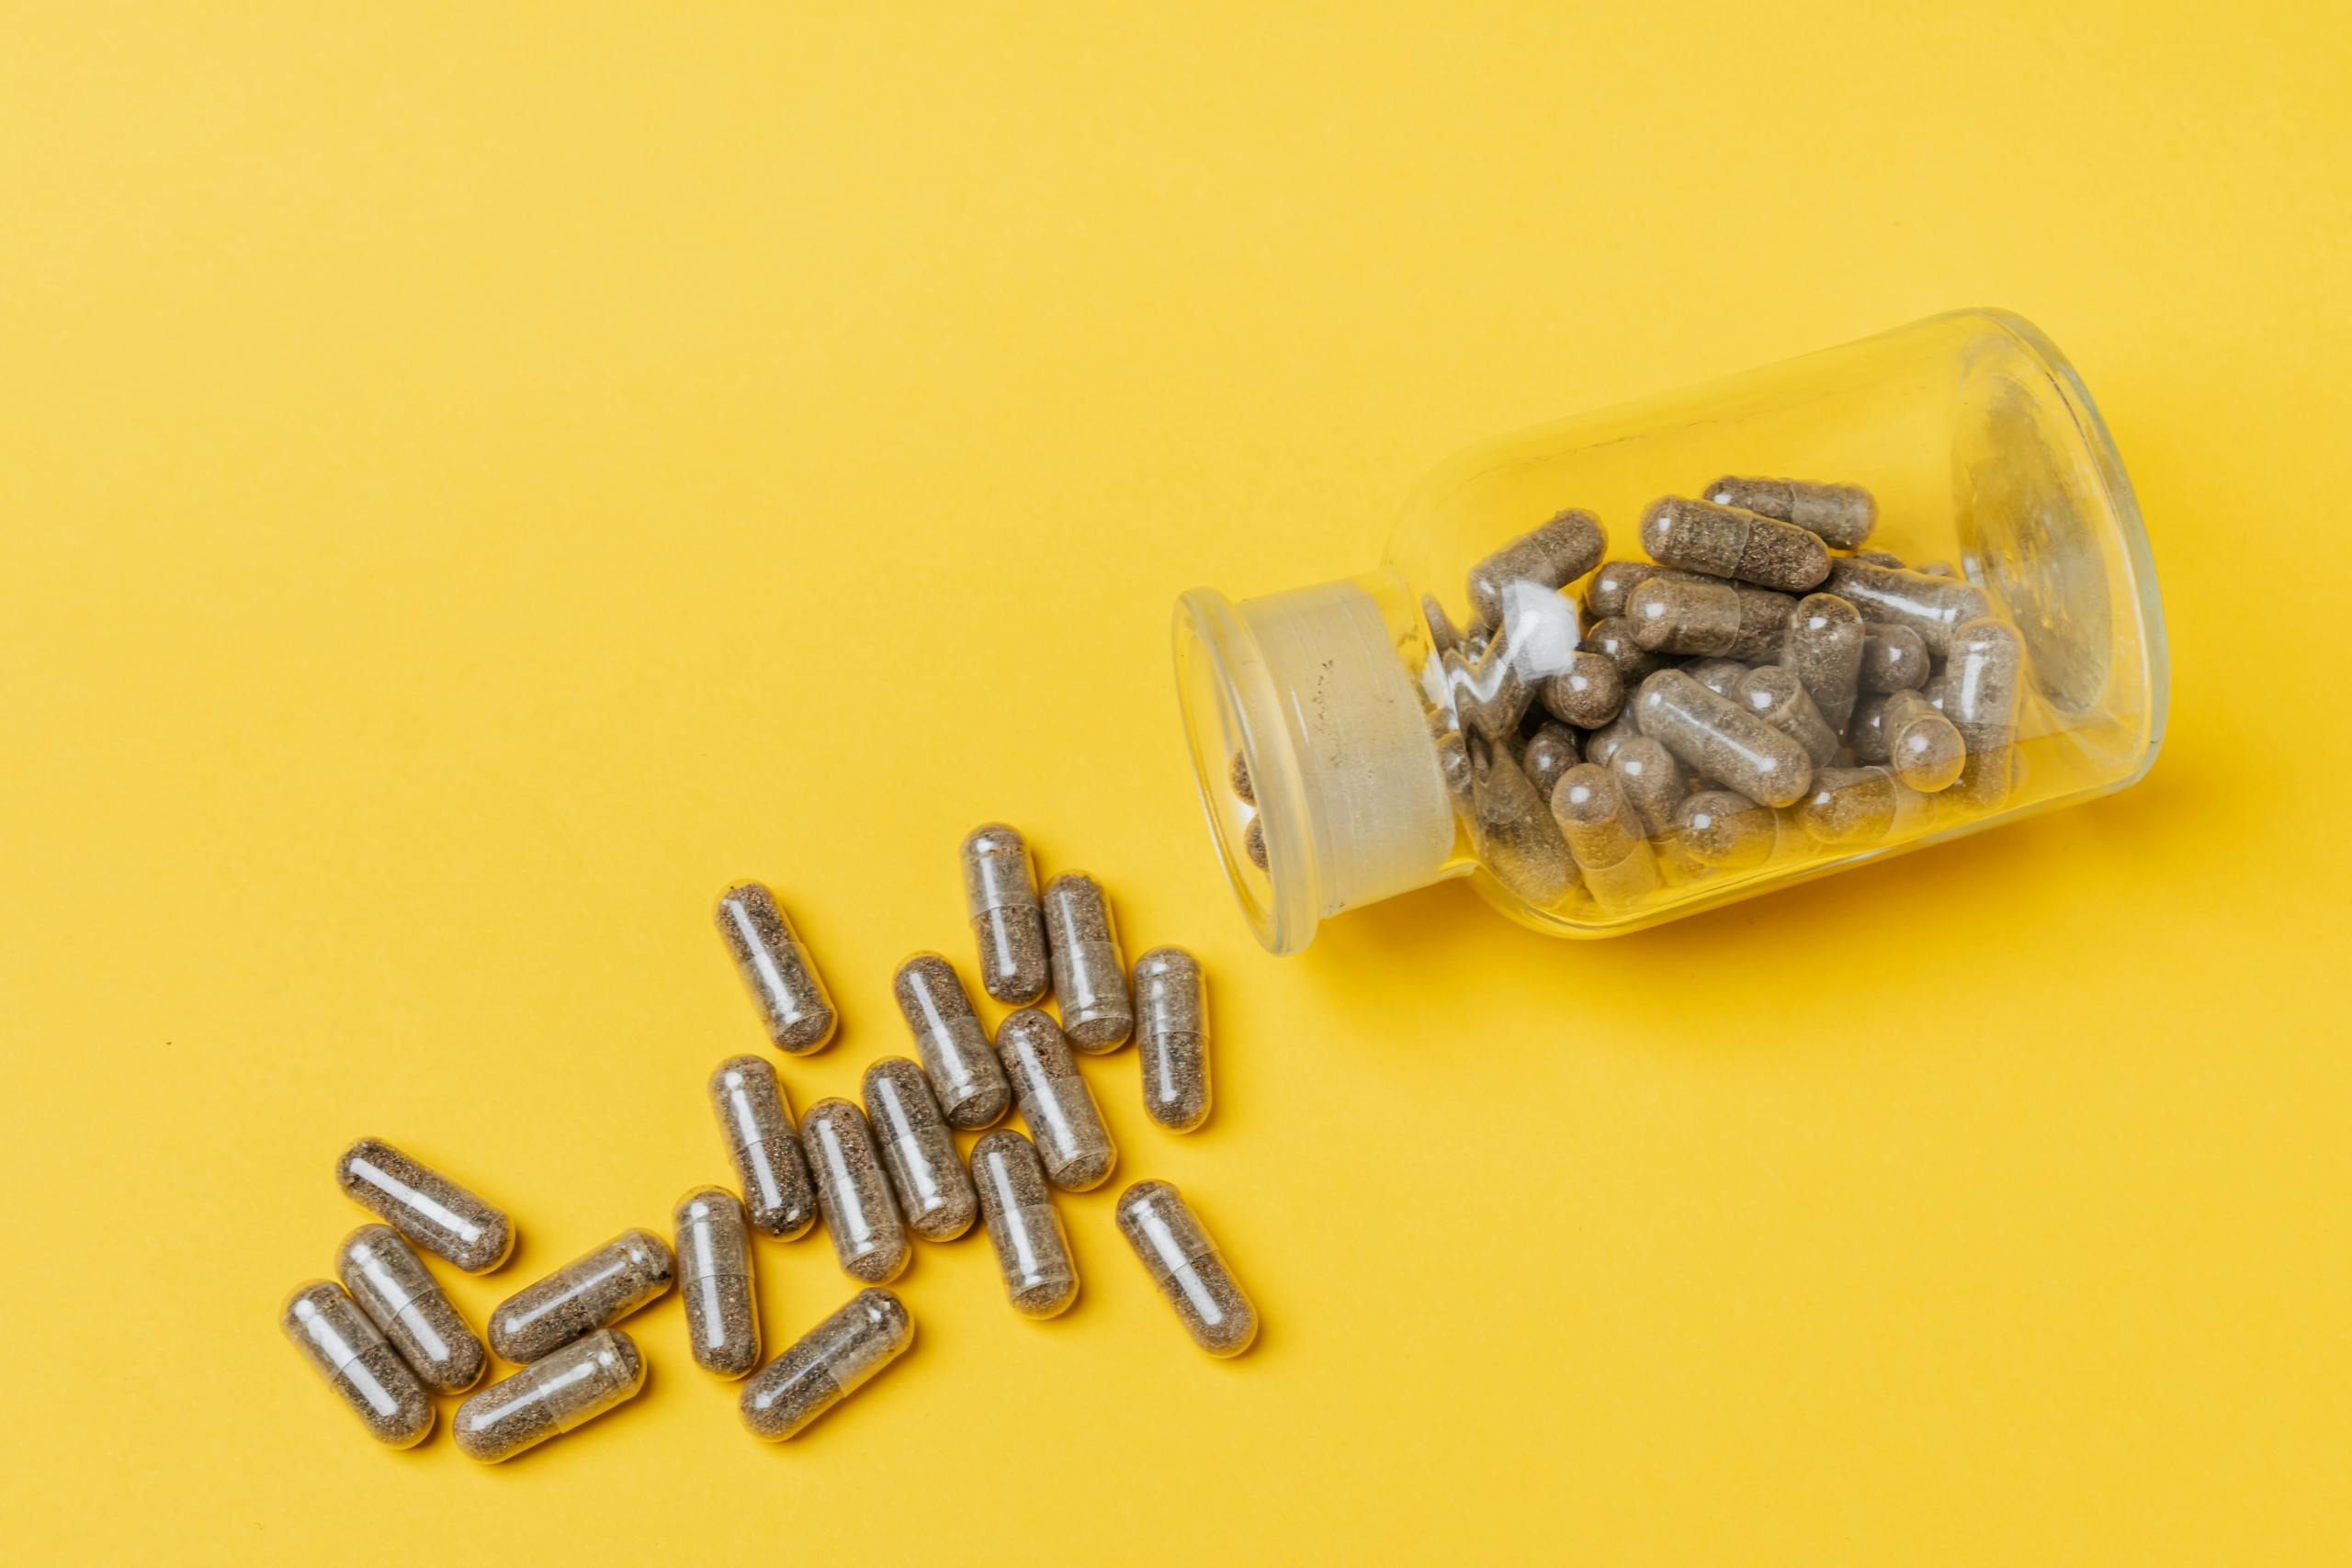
{"x":1312,"y":689}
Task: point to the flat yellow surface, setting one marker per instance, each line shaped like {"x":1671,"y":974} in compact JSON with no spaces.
{"x":478,"y":478}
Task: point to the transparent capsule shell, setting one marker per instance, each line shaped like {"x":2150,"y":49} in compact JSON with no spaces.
{"x":1823,"y":647}
{"x":1535,"y":565}
{"x":1934,"y":607}
{"x":1064,"y":1120}
{"x":1840,"y":514}
{"x":400,"y":1297}
{"x":1923,"y":748}
{"x":557,"y":1394}
{"x":961,"y":1064}
{"x":594,"y":1291}
{"x":716,"y":1282}
{"x":869,"y":1238}
{"x":777,"y":970}
{"x":1721,"y":741}
{"x":1017,"y":1208}
{"x":1008,"y":922}
{"x":426,"y":1206}
{"x":1172,"y":1037}
{"x":1090,"y":973}
{"x":911,"y":1134}
{"x":1605,"y":835}
{"x":1728,"y":541}
{"x":764,"y":1144}
{"x":1775,"y":696}
{"x":826,"y":1365}
{"x":352,"y":1357}
{"x":1185,"y":1264}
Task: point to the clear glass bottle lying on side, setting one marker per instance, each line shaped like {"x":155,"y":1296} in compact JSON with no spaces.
{"x":1612,"y":579}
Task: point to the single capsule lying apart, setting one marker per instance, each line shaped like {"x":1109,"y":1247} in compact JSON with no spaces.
{"x":954,"y":1049}
{"x":1172,"y":1037}
{"x":919,"y":1154}
{"x":1017,"y":1207}
{"x":589,"y":1292}
{"x":1542,"y":563}
{"x":1709,"y":618}
{"x":1857,"y":806}
{"x":1605,"y":835}
{"x":1717,"y":827}
{"x":1720,"y":742}
{"x":401,"y":1298}
{"x":555,"y":1395}
{"x":715,"y":1279}
{"x":1895,"y":659}
{"x":776,"y":969}
{"x":826,"y":1365}
{"x":755,"y":1121}
{"x":1726,"y":541}
{"x":1090,"y":973}
{"x":1064,"y":1122}
{"x":1934,"y":607}
{"x":1823,"y":649}
{"x":1980,"y":697}
{"x":1842,"y":515}
{"x":1586,"y":693}
{"x":1009,"y":924}
{"x":426,"y":1206}
{"x":1188,"y":1268}
{"x":1775,"y":696}
{"x":1551,"y":751}
{"x":1512,"y":825}
{"x":1922,"y":746}
{"x":868,"y":1239}
{"x":351,"y":1355}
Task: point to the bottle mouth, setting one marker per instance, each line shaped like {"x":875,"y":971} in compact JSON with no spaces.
{"x":1228,"y":698}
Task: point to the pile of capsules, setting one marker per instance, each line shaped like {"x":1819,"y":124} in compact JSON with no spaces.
{"x":386,"y":1338}
{"x":1761,"y":685}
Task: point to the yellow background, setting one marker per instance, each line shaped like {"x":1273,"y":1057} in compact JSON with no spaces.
{"x":477,"y":478}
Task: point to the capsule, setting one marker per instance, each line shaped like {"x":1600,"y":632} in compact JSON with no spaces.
{"x":1840,"y":516}
{"x":965,"y":1073}
{"x":1857,"y":806}
{"x":1444,"y":637}
{"x":1089,"y":975}
{"x":1778,"y":697}
{"x":1614,"y":640}
{"x":1717,"y":827}
{"x":1651,"y":777}
{"x":1254,"y":840}
{"x":1017,"y":1207}
{"x":1188,"y":1268}
{"x":1880,"y":558}
{"x":1063,"y":1119}
{"x":1980,"y":697}
{"x":1718,"y":675}
{"x":1172,"y":1037}
{"x":917,"y":1152}
{"x":1866,"y":730}
{"x":352,"y":1356}
{"x":1551,"y":751}
{"x":1936,"y":569}
{"x":1728,"y":542}
{"x":1934,"y":607}
{"x":1823,"y":647}
{"x":1923,"y":748}
{"x":1487,"y":690}
{"x":1614,"y":582}
{"x":777,"y":968}
{"x":826,"y":1365}
{"x":1720,"y":742}
{"x":869,"y":1240}
{"x":715,"y":1278}
{"x":1605,"y":835}
{"x":1542,"y":563}
{"x":401,"y":1298}
{"x":1710,"y":619}
{"x":1516,"y":836}
{"x":592,"y":1292}
{"x":1008,"y":922}
{"x":1603,"y":743}
{"x":426,"y":1206}
{"x":1895,"y":659}
{"x":755,"y":1121}
{"x":1586,"y":693}
{"x":555,"y":1395}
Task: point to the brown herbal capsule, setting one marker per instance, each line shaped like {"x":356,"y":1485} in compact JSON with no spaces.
{"x":776,"y":969}
{"x":1606,"y":836}
{"x":1842,"y":515}
{"x":1652,"y":779}
{"x":426,"y":1206}
{"x":1895,"y":659}
{"x":755,"y":1121}
{"x":1443,"y":636}
{"x":1717,"y":828}
{"x":1588,"y":694}
{"x":1720,"y":742}
{"x":555,"y":1395}
{"x":954,"y":1049}
{"x":868,"y":1239}
{"x":1615,"y":581}
{"x":1064,"y":1122}
{"x":1718,"y":675}
{"x":1172,"y":1037}
{"x":1185,"y":1264}
{"x":592,"y":1292}
{"x":1254,"y":840}
{"x":1866,"y":730}
{"x":1614,"y":640}
{"x":1728,"y":542}
{"x":1880,"y":558}
{"x":715,"y":1283}
{"x":1017,"y":1208}
{"x":1516,"y":836}
{"x":1237,"y":773}
{"x":1823,"y":647}
{"x":1933,"y":606}
{"x":1923,"y":748}
{"x":1090,"y":973}
{"x":1001,"y":896}
{"x":1708,"y":618}
{"x":826,"y":1365}
{"x":1542,"y":563}
{"x":1777,"y":696}
{"x":350,"y":1354}
{"x":1603,"y":743}
{"x":401,"y":1298}
{"x":1980,"y":697}
{"x":917,"y":1152}
{"x":1856,"y":806}
{"x":1550,"y":752}
{"x":1937,"y":569}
